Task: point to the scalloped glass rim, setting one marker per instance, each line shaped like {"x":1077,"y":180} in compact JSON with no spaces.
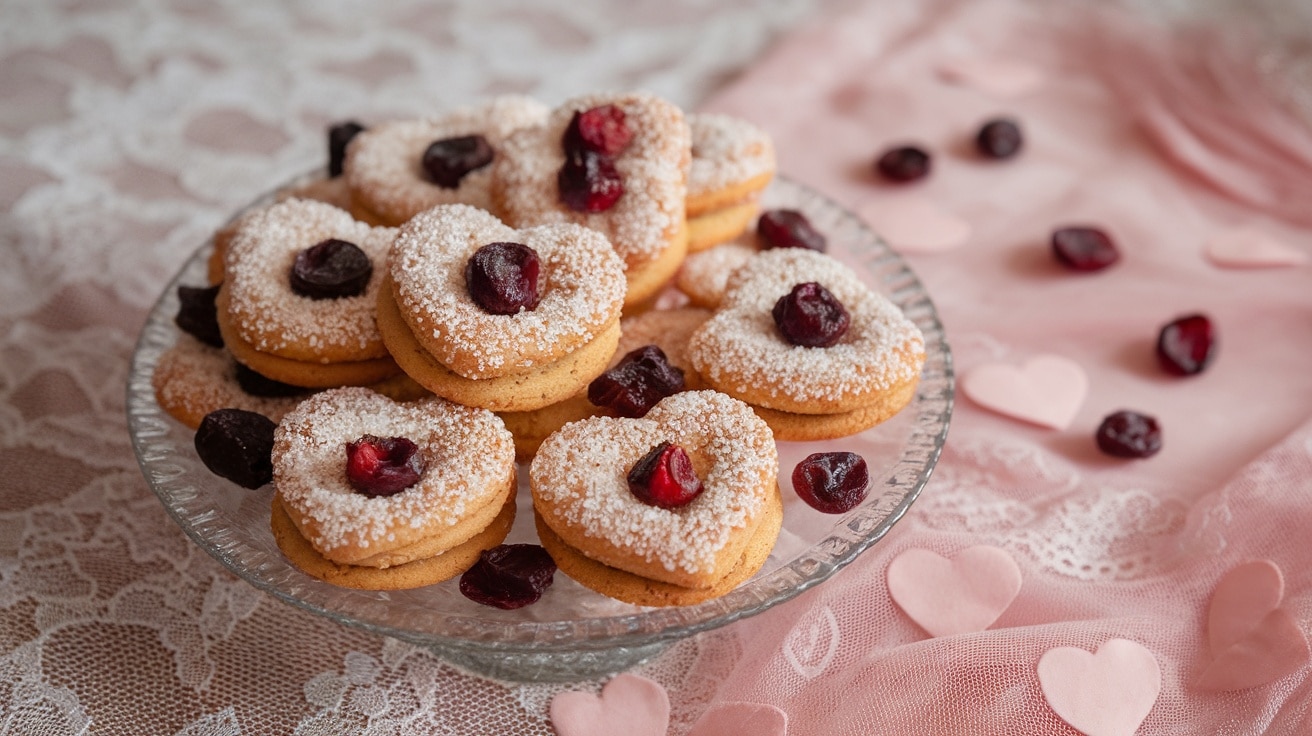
{"x":164,"y":451}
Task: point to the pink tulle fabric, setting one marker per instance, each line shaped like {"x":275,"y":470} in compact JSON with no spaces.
{"x":1164,"y":140}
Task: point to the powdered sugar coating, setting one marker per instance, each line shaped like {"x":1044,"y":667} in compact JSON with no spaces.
{"x":272,"y":318}
{"x":653,"y":168}
{"x":467,"y":452}
{"x":740,"y":349}
{"x":704,"y":276}
{"x":725,"y":151}
{"x":198,"y":379}
{"x":580,"y":472}
{"x":581,"y":284}
{"x":384,"y":164}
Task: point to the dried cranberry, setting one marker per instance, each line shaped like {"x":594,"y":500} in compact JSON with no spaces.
{"x":330,"y":270}
{"x":1084,"y":248}
{"x":788,"y":229}
{"x":1185,"y":346}
{"x":383,"y":466}
{"x":238,"y":445}
{"x":999,"y":138}
{"x":509,"y":576}
{"x":338,"y":137}
{"x":811,"y":316}
{"x":589,"y":182}
{"x":832,"y":482}
{"x":258,"y":385}
{"x":641,"y":378}
{"x":197,"y":315}
{"x":903,"y":163}
{"x":502,"y":278}
{"x":600,"y":130}
{"x":665,"y":477}
{"x":1129,"y":434}
{"x":447,"y":161}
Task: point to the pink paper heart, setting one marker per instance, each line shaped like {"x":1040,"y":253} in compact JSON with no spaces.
{"x":958,"y":596}
{"x":915,"y":224}
{"x":1047,"y":390}
{"x":996,"y":77}
{"x":732,"y":719}
{"x":628,"y":704}
{"x":1251,"y":248}
{"x":1107,"y":693}
{"x":1253,"y":641}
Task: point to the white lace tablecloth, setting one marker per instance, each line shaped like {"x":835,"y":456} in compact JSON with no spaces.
{"x":130,"y":129}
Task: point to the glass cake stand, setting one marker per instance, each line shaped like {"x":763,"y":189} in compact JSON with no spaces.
{"x":571,"y":633}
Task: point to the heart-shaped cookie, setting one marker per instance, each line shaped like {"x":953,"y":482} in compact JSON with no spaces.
{"x":582,"y":496}
{"x":628,"y":704}
{"x":1047,"y":390}
{"x":1105,"y":693}
{"x":646,"y":224}
{"x":960,"y":595}
{"x":1252,"y":639}
{"x":468,"y":461}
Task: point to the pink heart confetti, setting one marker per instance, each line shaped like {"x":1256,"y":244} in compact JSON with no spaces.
{"x":961,"y":595}
{"x":1047,"y":390}
{"x":1252,"y":640}
{"x":913,"y":224}
{"x":996,"y":77}
{"x":1251,"y":248}
{"x":731,"y":719}
{"x":1107,"y":693}
{"x":628,"y":704}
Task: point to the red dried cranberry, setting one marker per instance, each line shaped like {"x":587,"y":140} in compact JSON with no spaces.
{"x":1084,"y":248}
{"x":810,"y":316}
{"x":238,"y":445}
{"x":641,"y":378}
{"x":903,"y":163}
{"x":832,"y":482}
{"x":1185,"y":346}
{"x":1129,"y":434}
{"x":788,"y":229}
{"x":502,"y":278}
{"x":383,"y":466}
{"x":197,"y":315}
{"x":999,"y":138}
{"x":338,"y":137}
{"x":257,"y":385}
{"x":331,"y":269}
{"x":589,"y":182}
{"x":447,"y":161}
{"x":600,"y":130}
{"x":509,"y":576}
{"x":665,"y":477}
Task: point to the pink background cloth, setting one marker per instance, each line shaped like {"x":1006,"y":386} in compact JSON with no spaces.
{"x":130,"y":131}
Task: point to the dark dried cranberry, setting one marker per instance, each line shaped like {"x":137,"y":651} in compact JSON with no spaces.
{"x":589,"y":182}
{"x":904,"y":163}
{"x":999,"y":138}
{"x":338,"y":137}
{"x":832,"y":482}
{"x":811,"y":316}
{"x":330,"y":270}
{"x":448,"y":161}
{"x":1129,"y":434}
{"x":383,"y":466}
{"x":509,"y":576}
{"x":197,"y":315}
{"x":257,"y":385}
{"x":1185,"y":346}
{"x":238,"y":445}
{"x":502,"y":278}
{"x":600,"y":130}
{"x":641,"y":378}
{"x":788,"y":229}
{"x":665,"y":477}
{"x":1084,"y":248}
